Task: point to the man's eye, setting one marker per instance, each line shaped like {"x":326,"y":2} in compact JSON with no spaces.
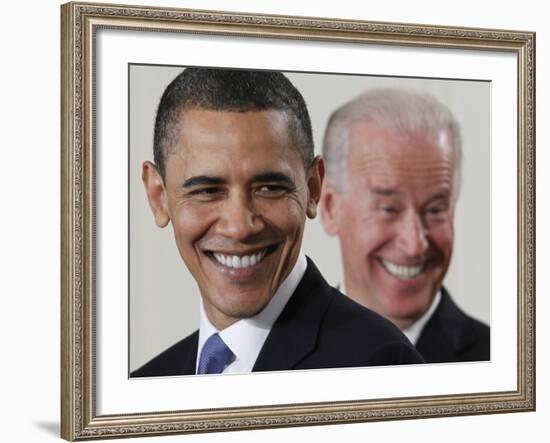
{"x":271,"y":190}
{"x":206,"y":192}
{"x":388,"y":209}
{"x":435,"y":210}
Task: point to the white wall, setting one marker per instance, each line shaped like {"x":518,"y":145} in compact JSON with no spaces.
{"x":29,"y":226}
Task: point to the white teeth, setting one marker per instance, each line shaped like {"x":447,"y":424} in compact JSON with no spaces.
{"x":234,"y":261}
{"x":401,"y":271}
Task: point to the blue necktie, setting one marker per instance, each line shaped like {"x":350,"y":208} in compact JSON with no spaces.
{"x":215,"y":356}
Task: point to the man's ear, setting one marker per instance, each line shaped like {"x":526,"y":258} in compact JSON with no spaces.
{"x":156,"y":193}
{"x":329,"y":209}
{"x":314,"y":184}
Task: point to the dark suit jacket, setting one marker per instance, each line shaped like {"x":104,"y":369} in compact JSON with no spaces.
{"x":318,"y":328}
{"x":452,"y":336}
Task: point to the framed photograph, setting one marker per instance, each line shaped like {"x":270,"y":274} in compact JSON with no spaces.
{"x":127,"y":295}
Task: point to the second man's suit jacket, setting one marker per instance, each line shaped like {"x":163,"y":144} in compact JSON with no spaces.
{"x":452,"y":336}
{"x":318,"y":328}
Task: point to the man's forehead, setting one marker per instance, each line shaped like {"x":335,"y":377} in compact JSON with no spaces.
{"x":227,"y":167}
{"x":192,"y":120}
{"x":223,"y":140}
{"x":204,"y":132}
{"x":387,"y":161}
{"x":370,"y":142}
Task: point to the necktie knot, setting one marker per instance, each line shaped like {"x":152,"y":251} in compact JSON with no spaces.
{"x":215,"y":356}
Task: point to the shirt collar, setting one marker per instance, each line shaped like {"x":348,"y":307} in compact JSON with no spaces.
{"x":413,"y":331}
{"x":246,"y":337}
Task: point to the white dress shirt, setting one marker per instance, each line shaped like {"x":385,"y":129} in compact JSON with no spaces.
{"x":246,"y":337}
{"x":413,"y":331}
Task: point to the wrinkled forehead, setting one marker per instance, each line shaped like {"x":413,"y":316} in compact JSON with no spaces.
{"x":222,"y":143}
{"x":423,"y":155}
{"x":370,"y":142}
{"x":406,"y":141}
{"x":210,"y":127}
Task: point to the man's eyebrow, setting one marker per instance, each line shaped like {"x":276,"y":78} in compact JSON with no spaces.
{"x":272,"y":176}
{"x":385,"y":192}
{"x":440,"y":196}
{"x":203,"y":180}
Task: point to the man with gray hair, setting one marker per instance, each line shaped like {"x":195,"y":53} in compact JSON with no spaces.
{"x":393,"y":176}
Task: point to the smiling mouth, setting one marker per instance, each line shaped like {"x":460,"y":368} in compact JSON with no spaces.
{"x":402,"y":272}
{"x":242,"y":261}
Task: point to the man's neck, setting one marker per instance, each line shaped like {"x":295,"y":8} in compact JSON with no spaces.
{"x":414,"y":330}
{"x":403,"y":323}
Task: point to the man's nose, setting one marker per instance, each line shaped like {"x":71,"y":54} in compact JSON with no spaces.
{"x":239,"y":219}
{"x":412,"y":236}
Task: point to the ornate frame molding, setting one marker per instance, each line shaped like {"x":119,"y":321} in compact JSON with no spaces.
{"x":79,"y":23}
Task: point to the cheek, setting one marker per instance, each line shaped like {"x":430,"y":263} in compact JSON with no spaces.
{"x":442,"y":239}
{"x":364,"y":237}
{"x":190,"y":225}
{"x":284,"y":215}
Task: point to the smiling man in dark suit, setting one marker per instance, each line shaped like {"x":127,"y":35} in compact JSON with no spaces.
{"x":235,"y":175}
{"x":393,"y":176}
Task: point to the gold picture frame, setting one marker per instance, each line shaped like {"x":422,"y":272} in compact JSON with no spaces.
{"x":80,"y":23}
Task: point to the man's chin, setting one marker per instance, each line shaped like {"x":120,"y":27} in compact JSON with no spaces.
{"x":236,"y":313}
{"x":238,"y":301}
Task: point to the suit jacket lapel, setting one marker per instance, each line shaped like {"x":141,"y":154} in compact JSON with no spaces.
{"x":179,"y":359}
{"x":189,"y":364}
{"x":183,"y":359}
{"x":294,"y":333}
{"x":445,"y":331}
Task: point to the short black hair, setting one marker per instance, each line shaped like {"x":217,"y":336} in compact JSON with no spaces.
{"x":234,"y":91}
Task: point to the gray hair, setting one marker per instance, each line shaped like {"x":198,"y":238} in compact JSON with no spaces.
{"x":395,"y":110}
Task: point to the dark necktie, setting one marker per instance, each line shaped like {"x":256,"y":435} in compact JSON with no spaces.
{"x":215,"y":356}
